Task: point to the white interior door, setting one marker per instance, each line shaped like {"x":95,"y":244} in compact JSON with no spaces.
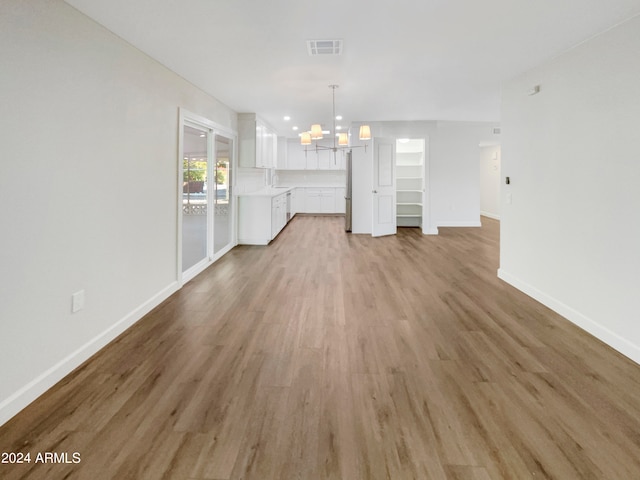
{"x":384,"y":187}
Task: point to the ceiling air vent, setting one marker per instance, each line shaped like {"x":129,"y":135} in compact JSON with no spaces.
{"x":324,"y":47}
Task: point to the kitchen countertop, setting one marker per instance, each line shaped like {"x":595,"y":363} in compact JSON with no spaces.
{"x":275,"y":191}
{"x":321,"y":185}
{"x":267,"y":192}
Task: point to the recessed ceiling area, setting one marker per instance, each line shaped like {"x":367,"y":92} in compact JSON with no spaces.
{"x":403,"y":60}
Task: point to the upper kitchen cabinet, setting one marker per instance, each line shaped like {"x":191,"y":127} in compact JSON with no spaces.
{"x":258,"y":142}
{"x":282,"y":158}
{"x":298,"y":159}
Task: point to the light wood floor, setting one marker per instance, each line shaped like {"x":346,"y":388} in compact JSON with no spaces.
{"x":335,"y":356}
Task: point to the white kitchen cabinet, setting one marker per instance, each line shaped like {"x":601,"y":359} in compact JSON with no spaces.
{"x":329,"y":160}
{"x":269,"y":145}
{"x":339,"y":162}
{"x":298,"y":159}
{"x":257,"y":142}
{"x":311,"y":160}
{"x":325,"y":160}
{"x":278,"y":214}
{"x":340,"y":200}
{"x":328,"y":200}
{"x":312,"y":200}
{"x":282,"y":158}
{"x":299,"y":200}
{"x":320,"y":200}
{"x":261,"y":217}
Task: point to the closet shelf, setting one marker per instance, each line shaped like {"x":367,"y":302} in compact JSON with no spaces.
{"x":410,"y":184}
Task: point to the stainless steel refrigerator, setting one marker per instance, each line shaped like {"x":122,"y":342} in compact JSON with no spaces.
{"x":347,"y":198}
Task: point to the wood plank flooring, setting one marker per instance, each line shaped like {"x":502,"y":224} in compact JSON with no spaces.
{"x":335,"y":356}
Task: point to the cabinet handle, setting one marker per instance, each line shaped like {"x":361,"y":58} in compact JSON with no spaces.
{"x":374,"y":191}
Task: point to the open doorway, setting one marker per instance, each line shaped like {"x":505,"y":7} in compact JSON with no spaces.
{"x":410,"y":182}
{"x":490,"y":181}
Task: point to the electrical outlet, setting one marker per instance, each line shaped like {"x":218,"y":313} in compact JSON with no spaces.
{"x":77,"y":301}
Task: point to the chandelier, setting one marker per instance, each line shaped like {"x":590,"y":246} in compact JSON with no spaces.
{"x":306,"y":138}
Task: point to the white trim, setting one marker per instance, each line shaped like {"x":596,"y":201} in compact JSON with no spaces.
{"x":459,"y":224}
{"x":20,"y":399}
{"x":591,"y":326}
{"x":205,"y":263}
{"x":490,"y":215}
{"x":427,"y":229}
{"x":259,"y":241}
{"x":223,"y":252}
{"x":205,"y":122}
{"x":179,"y":193}
{"x":195,"y":270}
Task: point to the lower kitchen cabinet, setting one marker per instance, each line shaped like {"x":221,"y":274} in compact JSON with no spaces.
{"x":261,"y":218}
{"x":297,"y":201}
{"x":278,"y":214}
{"x":340,"y":200}
{"x":320,"y":200}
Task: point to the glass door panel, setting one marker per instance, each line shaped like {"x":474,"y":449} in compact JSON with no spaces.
{"x":194,"y":196}
{"x":223,"y":201}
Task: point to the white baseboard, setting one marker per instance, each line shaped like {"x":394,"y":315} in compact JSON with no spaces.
{"x":253,"y":241}
{"x":459,"y":224}
{"x":36,"y":387}
{"x":609,"y":337}
{"x":490,"y":215}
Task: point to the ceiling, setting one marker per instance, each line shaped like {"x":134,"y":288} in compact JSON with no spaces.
{"x":401,"y":60}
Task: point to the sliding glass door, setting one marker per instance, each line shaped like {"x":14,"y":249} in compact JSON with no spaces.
{"x":195,"y":169}
{"x":223,"y":201}
{"x":207,"y":206}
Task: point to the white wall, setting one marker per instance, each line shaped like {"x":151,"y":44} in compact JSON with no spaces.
{"x":570,"y":237}
{"x":88,"y":189}
{"x":490,"y":181}
{"x":452,"y":179}
{"x":455,"y":172}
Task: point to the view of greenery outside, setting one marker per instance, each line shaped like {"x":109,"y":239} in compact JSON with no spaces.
{"x":194,"y":170}
{"x":195,"y":180}
{"x":222,"y":181}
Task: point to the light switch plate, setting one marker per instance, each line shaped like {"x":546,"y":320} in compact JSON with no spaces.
{"x":77,"y":301}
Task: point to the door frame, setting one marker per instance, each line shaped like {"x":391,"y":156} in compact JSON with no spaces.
{"x":191,"y":119}
{"x":427,"y":229}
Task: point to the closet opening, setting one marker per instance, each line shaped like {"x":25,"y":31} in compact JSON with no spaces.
{"x":410,"y":182}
